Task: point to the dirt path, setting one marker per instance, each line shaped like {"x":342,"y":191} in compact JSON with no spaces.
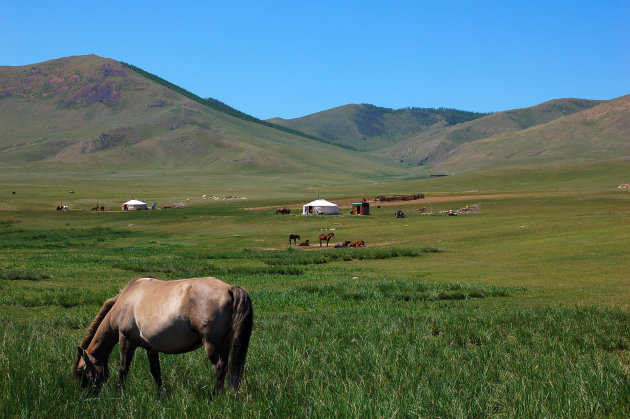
{"x":347,"y":203}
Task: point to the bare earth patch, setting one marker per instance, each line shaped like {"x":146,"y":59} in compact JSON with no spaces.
{"x":347,"y":203}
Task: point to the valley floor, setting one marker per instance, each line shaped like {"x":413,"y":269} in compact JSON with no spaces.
{"x":519,"y":310}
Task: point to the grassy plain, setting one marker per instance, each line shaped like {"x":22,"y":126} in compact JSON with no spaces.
{"x":521,"y":310}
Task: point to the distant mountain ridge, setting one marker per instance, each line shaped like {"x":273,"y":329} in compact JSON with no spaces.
{"x":89,"y":111}
{"x":600,"y":132}
{"x":368,"y":127}
{"x":432,"y":146}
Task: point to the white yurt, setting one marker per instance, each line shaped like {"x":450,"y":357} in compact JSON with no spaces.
{"x":134,"y":204}
{"x":320,"y":206}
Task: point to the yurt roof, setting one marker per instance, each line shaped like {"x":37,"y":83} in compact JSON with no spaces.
{"x":135,"y":202}
{"x":320,"y":203}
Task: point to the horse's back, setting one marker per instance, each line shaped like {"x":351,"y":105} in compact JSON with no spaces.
{"x":173,"y":316}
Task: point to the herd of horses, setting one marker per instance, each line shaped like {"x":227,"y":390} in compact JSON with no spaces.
{"x":293,"y":238}
{"x":95,"y":208}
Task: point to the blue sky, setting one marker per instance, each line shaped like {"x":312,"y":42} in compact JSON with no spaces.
{"x":293,"y":58}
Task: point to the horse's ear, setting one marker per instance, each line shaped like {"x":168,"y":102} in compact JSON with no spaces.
{"x":83,"y":354}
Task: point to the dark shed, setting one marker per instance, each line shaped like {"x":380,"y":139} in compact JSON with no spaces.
{"x":361,"y":208}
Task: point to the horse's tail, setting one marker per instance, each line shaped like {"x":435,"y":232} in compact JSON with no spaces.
{"x":107,"y":306}
{"x":242,"y":323}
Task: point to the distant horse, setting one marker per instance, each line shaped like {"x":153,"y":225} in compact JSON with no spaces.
{"x":171,"y":317}
{"x":326,"y":237}
{"x":343,"y":244}
{"x":305,"y":243}
{"x":359,"y":243}
{"x":294,"y":237}
{"x":283,"y":211}
{"x":102,"y":209}
{"x":59,"y":208}
{"x":95,"y":208}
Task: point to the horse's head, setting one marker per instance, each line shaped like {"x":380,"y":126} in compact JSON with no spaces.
{"x":89,"y":371}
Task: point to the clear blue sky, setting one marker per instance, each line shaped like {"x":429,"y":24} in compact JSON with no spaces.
{"x":293,"y":58}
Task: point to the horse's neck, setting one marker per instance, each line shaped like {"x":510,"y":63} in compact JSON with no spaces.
{"x":105,"y":338}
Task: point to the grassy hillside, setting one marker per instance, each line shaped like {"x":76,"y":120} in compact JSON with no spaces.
{"x":90,"y":112}
{"x":598,"y":133}
{"x":434,"y":145}
{"x":96,"y":112}
{"x":368,"y":127}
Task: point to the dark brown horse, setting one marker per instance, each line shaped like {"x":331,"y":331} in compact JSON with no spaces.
{"x":294,"y":237}
{"x":326,"y":237}
{"x":170,"y":317}
{"x":283,"y":211}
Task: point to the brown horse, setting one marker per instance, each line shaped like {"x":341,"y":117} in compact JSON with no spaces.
{"x":326,"y":237}
{"x":171,"y":317}
{"x":358,"y":243}
{"x":294,"y":237}
{"x":95,"y":208}
{"x":283,"y":211}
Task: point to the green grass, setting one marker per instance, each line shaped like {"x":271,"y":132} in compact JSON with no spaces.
{"x":521,"y":310}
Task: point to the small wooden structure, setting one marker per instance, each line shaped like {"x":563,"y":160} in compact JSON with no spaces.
{"x":361,"y":208}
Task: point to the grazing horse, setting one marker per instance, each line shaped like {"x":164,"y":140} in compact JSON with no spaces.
{"x":326,"y":237}
{"x":95,"y":208}
{"x":358,"y":243}
{"x":294,"y":237}
{"x":171,"y":317}
{"x":283,"y":211}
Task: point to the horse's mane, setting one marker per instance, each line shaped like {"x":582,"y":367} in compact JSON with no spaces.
{"x":91,"y":332}
{"x":107,"y":306}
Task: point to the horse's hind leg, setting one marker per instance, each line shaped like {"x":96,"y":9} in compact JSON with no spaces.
{"x":156,"y":372}
{"x":218,"y":355}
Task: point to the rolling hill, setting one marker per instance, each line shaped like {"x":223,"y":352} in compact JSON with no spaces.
{"x":97,"y":112}
{"x":367,"y":127}
{"x":601,"y":132}
{"x":435,"y":145}
{"x":94,"y":112}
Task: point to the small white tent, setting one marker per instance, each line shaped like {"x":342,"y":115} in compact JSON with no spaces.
{"x":134,"y":204}
{"x":320,"y":206}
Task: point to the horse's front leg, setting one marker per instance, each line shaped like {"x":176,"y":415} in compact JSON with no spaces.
{"x":127,"y":349}
{"x":156,"y":372}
